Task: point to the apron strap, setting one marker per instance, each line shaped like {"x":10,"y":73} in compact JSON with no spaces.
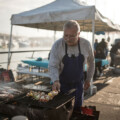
{"x":65,"y":48}
{"x":79,"y":46}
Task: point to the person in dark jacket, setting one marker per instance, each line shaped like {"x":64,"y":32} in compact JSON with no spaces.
{"x":103,"y":45}
{"x":98,"y":65}
{"x":113,"y":52}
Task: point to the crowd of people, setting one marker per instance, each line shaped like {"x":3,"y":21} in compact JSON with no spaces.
{"x":101,"y":52}
{"x":101,"y":49}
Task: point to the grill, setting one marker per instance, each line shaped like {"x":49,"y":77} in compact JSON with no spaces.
{"x":23,"y":105}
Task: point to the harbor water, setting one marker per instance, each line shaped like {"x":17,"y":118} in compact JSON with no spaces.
{"x":17,"y":57}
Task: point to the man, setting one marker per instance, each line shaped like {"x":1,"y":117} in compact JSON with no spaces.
{"x":104,"y":45}
{"x":98,"y":64}
{"x":67,"y":62}
{"x":113,"y":52}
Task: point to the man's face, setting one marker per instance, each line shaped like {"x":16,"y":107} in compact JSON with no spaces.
{"x":71,"y":36}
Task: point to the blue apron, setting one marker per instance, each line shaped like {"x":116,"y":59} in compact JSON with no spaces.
{"x":72,"y":76}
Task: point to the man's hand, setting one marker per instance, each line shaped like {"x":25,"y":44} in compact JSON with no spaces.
{"x":56,"y":85}
{"x":86,"y":85}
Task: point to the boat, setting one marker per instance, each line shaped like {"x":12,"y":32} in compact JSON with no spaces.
{"x":24,"y":43}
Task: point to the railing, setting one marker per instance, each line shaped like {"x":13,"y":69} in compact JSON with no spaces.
{"x":22,"y":51}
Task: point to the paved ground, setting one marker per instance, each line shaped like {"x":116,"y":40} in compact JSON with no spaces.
{"x":107,"y":98}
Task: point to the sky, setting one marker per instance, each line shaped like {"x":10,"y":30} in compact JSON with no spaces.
{"x":109,"y":8}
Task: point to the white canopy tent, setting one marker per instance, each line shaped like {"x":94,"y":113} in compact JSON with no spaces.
{"x":53,"y":16}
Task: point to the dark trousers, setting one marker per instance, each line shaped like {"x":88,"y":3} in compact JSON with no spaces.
{"x":112,"y":55}
{"x":98,"y":67}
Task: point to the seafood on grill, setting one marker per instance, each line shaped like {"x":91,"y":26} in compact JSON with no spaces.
{"x":11,"y":90}
{"x":42,"y":96}
{"x":4,"y":96}
{"x":8,"y":92}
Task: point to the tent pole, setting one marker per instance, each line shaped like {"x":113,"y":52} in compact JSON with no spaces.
{"x":93,"y":32}
{"x":10,"y":42}
{"x":54,"y":35}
